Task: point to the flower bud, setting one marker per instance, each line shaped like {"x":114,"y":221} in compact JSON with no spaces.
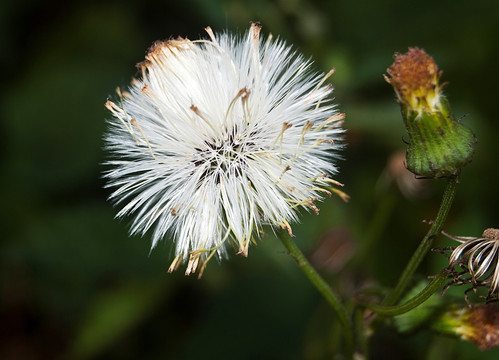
{"x":478,"y":324}
{"x":438,"y":144}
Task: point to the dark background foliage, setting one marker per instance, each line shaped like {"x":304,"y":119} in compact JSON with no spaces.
{"x":74,"y":285}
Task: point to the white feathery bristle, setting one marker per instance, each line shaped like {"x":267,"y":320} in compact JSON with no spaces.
{"x":219,"y":137}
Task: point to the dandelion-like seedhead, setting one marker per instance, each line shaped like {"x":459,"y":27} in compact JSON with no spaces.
{"x":219,"y":137}
{"x":478,"y":261}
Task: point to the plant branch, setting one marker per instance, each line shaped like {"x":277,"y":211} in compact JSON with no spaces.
{"x":417,"y":300}
{"x":321,"y":285}
{"x":426,"y":243}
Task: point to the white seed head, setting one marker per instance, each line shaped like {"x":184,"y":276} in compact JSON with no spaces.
{"x":219,"y":137}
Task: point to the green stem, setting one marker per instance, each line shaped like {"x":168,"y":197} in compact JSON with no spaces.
{"x":417,"y":300}
{"x":321,"y":285}
{"x":426,"y":243}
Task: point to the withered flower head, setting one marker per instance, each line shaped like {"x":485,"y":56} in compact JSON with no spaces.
{"x":478,"y":324}
{"x":479,"y":258}
{"x":415,"y":78}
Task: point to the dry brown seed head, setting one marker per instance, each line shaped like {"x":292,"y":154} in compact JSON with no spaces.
{"x":491,"y":234}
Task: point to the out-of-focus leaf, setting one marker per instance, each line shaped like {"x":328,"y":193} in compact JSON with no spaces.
{"x":112,"y":315}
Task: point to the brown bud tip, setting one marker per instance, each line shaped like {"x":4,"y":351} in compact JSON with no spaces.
{"x":414,"y":76}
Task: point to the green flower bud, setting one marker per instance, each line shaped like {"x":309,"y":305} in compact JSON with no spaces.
{"x":438,"y":144}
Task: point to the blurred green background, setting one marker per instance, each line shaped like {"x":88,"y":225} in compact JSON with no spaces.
{"x":75,"y":286}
